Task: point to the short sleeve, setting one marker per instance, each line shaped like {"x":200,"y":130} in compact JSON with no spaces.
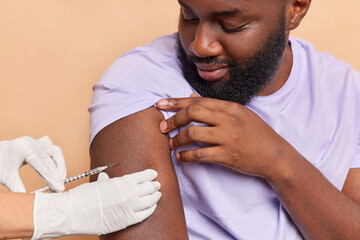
{"x":356,"y":161}
{"x":134,"y":82}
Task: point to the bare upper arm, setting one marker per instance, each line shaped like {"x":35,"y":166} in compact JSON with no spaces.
{"x":136,"y":143}
{"x":352,"y":184}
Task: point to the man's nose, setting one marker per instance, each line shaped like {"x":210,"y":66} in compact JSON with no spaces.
{"x":205,"y":43}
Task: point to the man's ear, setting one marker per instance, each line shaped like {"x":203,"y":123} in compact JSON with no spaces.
{"x":296,"y":10}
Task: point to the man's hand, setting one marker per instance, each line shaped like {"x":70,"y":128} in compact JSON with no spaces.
{"x":46,"y":158}
{"x":238,"y":137}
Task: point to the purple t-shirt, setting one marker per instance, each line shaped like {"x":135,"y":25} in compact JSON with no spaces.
{"x":316,"y":111}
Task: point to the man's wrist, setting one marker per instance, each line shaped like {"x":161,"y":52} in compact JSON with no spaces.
{"x":283,"y":169}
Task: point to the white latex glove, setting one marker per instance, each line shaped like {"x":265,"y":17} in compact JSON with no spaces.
{"x":101,"y":207}
{"x":40,"y":154}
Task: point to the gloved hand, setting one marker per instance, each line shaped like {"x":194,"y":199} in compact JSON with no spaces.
{"x":40,"y":154}
{"x":101,"y":207}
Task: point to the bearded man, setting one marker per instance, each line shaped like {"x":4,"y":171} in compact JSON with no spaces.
{"x":259,"y":133}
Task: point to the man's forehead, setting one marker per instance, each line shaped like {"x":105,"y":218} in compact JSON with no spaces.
{"x":233,"y":7}
{"x":218,"y":1}
{"x":222,"y":4}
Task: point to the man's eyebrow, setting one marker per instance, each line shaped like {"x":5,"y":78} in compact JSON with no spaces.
{"x":183,"y":5}
{"x":227,"y":13}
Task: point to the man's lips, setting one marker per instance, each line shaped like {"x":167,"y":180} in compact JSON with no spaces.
{"x":212,"y":72}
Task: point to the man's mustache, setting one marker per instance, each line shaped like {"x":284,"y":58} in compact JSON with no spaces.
{"x":210,"y":60}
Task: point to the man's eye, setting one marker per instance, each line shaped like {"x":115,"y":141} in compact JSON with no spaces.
{"x":188,"y":16}
{"x":232,"y":29}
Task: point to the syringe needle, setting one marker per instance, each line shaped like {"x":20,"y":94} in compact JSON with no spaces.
{"x":82,"y":175}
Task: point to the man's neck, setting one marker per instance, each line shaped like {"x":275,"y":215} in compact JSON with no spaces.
{"x":281,"y":75}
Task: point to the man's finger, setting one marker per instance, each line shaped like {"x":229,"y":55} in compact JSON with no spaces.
{"x":176,"y":104}
{"x":191,"y":113}
{"x":209,"y":154}
{"x":195,"y":134}
{"x":194,"y":95}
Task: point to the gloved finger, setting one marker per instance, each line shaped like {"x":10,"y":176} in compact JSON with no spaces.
{"x":45,"y":139}
{"x":144,"y":176}
{"x":55,"y":153}
{"x":142,"y":215}
{"x":57,"y":156}
{"x":55,"y":184}
{"x":47,"y":169}
{"x":103,"y":177}
{"x":147,"y":188}
{"x":147,"y":201}
{"x":51,"y":157}
{"x":16,"y":185}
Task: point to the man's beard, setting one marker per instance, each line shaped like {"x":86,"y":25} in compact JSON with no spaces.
{"x":245,"y":81}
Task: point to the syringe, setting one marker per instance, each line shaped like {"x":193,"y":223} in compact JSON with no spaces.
{"x":82,"y":175}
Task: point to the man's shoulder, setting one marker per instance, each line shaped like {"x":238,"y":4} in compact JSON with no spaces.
{"x":136,"y":81}
{"x":308,"y":50}
{"x":154,"y":60}
{"x":162,"y":49}
{"x":321,"y":64}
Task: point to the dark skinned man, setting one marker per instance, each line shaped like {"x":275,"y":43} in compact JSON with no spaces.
{"x":269,"y":151}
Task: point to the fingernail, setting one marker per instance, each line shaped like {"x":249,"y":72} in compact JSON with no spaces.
{"x":178,"y":156}
{"x":171,"y":144}
{"x":163,"y":103}
{"x":163,"y":126}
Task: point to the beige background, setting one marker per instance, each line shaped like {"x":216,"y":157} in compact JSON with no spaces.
{"x":52,"y":52}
